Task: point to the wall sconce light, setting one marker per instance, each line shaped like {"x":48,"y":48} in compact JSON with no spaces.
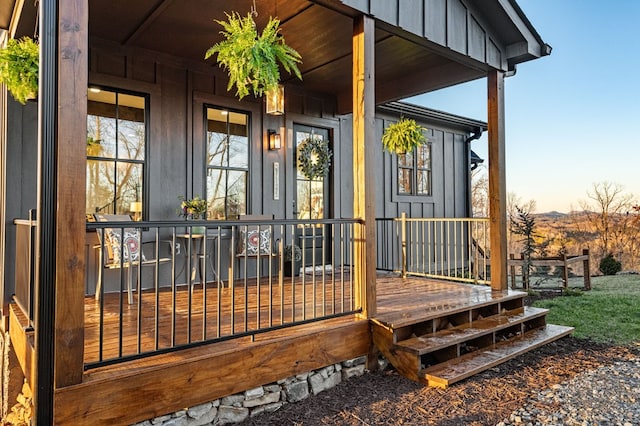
{"x":275,"y":100}
{"x":136,"y":209}
{"x":274,"y":140}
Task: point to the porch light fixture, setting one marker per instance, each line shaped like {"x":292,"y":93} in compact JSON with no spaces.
{"x":275,"y":100}
{"x":274,"y":140}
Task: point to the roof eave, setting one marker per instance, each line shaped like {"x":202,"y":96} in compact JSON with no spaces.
{"x":416,"y":111}
{"x":532,"y":46}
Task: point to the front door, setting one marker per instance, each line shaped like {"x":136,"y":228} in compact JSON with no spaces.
{"x":311,"y":198}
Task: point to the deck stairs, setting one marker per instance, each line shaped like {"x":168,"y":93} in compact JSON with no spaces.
{"x":443,"y":347}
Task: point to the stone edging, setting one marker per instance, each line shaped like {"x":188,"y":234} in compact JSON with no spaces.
{"x":263,"y":399}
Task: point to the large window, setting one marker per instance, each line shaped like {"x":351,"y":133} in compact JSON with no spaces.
{"x":227,"y":157}
{"x":414,"y":171}
{"x":116,"y":144}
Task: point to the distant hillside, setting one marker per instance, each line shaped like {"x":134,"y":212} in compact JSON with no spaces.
{"x":552,"y":215}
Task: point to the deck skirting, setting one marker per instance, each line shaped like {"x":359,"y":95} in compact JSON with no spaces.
{"x":145,"y":389}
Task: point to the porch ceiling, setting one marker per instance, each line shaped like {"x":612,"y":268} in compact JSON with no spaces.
{"x":322,"y":35}
{"x":320,"y":30}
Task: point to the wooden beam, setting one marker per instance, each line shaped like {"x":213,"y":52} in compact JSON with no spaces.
{"x":73,"y":52}
{"x":497,"y":180}
{"x":364,"y":137}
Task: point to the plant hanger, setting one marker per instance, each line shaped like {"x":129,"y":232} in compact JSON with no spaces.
{"x":251,"y":59}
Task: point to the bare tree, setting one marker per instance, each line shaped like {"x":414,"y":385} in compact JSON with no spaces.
{"x":608,"y":213}
{"x":480,"y":195}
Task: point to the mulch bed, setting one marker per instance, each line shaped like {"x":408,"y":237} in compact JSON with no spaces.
{"x":386,"y":398}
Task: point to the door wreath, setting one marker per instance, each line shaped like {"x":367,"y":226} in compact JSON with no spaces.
{"x":314,"y":158}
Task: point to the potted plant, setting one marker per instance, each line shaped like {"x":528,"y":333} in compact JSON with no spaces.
{"x":19,"y":68}
{"x":292,"y":254}
{"x":193,"y":209}
{"x":251,"y":60}
{"x":403,"y":136}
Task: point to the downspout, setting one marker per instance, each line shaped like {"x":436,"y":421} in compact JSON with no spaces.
{"x":475,"y":136}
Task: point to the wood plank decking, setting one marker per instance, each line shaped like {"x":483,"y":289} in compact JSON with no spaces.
{"x":165,"y":319}
{"x":420,"y":327}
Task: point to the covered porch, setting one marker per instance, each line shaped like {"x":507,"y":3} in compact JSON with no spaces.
{"x":85,"y":354}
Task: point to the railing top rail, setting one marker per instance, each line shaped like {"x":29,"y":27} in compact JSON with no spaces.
{"x":27,"y":222}
{"x":217,"y":223}
{"x":438,"y":219}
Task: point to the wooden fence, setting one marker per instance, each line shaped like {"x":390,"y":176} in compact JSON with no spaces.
{"x":563,"y":261}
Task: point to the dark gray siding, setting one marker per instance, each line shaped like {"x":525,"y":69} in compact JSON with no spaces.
{"x":20,"y":179}
{"x":455,"y":24}
{"x":450,"y":174}
{"x":178,"y":93}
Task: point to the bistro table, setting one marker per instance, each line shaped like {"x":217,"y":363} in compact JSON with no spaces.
{"x":196,"y":253}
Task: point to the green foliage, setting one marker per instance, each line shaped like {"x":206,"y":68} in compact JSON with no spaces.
{"x":251,"y":60}
{"x":606,"y":314}
{"x":314,"y":158}
{"x":523,"y":224}
{"x":609,"y":265}
{"x":403,"y":136}
{"x":19,"y":68}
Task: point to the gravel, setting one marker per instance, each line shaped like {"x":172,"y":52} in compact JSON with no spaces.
{"x":609,"y":395}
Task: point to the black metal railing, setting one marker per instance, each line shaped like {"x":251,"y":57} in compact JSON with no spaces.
{"x":442,"y":248}
{"x":202,"y":281}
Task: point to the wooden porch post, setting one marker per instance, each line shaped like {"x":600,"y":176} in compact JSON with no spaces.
{"x":363,"y":163}
{"x":61,"y":200}
{"x":73,"y":52}
{"x":497,"y":180}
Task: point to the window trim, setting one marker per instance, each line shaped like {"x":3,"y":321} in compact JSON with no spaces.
{"x":402,"y":196}
{"x":144,"y":214}
{"x":249,"y":115}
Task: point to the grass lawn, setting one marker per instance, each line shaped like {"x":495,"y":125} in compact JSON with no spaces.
{"x":609,"y":313}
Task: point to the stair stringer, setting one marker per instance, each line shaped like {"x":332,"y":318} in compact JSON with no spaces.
{"x":405,"y":363}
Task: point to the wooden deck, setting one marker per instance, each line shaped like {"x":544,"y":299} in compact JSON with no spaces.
{"x":172,"y":318}
{"x":219,"y":312}
{"x":113,"y":394}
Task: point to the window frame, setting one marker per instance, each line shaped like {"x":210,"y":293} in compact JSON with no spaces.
{"x":414,"y":171}
{"x":147,"y":128}
{"x":207,"y":167}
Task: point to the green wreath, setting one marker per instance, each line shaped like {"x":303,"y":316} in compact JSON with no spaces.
{"x":314,"y":158}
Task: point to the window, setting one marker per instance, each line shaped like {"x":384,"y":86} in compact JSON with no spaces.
{"x":116,"y":145}
{"x":227,"y":159}
{"x":414,"y":171}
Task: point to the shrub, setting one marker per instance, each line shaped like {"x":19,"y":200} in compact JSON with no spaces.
{"x":609,"y":265}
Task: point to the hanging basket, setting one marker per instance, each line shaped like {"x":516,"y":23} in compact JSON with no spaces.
{"x":403,"y":136}
{"x":314,"y":158}
{"x":251,"y":60}
{"x":19,"y":68}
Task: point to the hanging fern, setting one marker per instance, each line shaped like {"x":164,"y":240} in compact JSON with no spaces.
{"x":19,"y":68}
{"x":251,"y":60}
{"x":403,"y":136}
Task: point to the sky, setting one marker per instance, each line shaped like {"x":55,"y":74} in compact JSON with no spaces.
{"x":572,"y":118}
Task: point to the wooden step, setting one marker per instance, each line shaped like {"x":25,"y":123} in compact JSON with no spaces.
{"x":468,"y":331}
{"x":409,"y":315}
{"x":447,"y":373}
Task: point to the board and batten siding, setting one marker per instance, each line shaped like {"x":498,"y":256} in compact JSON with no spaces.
{"x":178,"y":92}
{"x":20,"y":155}
{"x":453,"y":24}
{"x":450,"y":174}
